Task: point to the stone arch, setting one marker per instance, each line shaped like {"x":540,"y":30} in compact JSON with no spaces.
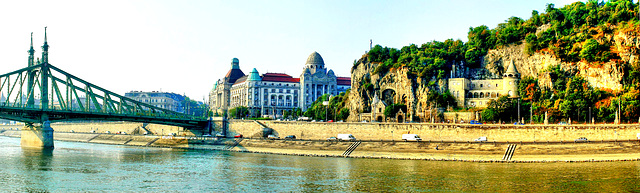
{"x":388,"y":96}
{"x":481,"y":95}
{"x":488,"y":95}
{"x":379,"y":119}
{"x":475,"y":95}
{"x":400,"y":118}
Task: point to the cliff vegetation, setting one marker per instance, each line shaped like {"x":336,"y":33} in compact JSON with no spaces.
{"x":575,"y":59}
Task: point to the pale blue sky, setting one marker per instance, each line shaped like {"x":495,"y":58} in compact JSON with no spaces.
{"x":185,"y":46}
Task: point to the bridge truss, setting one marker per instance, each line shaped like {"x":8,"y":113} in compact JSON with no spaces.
{"x":43,"y":92}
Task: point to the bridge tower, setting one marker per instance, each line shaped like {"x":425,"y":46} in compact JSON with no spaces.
{"x":38,"y":134}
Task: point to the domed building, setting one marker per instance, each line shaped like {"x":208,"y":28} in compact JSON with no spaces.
{"x":270,"y":94}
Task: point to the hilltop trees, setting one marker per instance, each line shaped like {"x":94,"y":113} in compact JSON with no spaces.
{"x":336,"y":110}
{"x":579,"y":32}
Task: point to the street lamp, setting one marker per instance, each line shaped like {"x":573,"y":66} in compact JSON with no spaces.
{"x":326,"y":110}
{"x":518,"y":109}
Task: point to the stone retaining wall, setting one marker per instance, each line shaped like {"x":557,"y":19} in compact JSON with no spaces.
{"x":437,"y":132}
{"x":112,"y":127}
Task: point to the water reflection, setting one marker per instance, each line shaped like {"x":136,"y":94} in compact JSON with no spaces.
{"x":36,"y":161}
{"x":81,"y":167}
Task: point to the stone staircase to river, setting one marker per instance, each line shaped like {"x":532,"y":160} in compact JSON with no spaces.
{"x":351,"y":148}
{"x":509,"y":153}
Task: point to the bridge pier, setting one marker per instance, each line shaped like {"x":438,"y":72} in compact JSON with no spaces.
{"x":40,"y":136}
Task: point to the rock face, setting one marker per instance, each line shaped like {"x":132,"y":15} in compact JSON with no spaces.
{"x":607,"y":75}
{"x":412,"y":91}
{"x":394,"y":86}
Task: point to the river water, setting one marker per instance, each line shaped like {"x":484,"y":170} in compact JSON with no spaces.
{"x":85,"y":167}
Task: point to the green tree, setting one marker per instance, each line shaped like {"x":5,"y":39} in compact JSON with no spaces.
{"x":392,"y":110}
{"x":239,"y":112}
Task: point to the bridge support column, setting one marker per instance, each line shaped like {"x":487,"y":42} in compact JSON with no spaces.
{"x":37,"y":136}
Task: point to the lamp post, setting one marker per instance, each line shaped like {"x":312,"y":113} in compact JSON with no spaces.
{"x":531,"y":115}
{"x":326,"y":110}
{"x":518,"y":109}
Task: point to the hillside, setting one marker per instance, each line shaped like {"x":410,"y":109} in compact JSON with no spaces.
{"x":581,"y":56}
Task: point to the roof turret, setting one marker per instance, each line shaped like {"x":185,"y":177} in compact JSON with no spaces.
{"x":511,"y":71}
{"x":314,"y":62}
{"x":235,"y":72}
{"x":254,"y":76}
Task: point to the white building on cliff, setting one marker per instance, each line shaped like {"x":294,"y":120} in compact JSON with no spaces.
{"x":478,"y":93}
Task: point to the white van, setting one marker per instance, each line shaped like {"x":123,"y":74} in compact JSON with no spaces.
{"x":346,"y":137}
{"x":411,"y":137}
{"x":481,"y":139}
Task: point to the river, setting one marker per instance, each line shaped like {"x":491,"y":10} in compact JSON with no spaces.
{"x":85,"y":167}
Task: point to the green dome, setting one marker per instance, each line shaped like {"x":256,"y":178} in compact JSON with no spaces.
{"x":254,"y":76}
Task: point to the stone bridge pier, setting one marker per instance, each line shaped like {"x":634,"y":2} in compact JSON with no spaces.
{"x":38,"y":136}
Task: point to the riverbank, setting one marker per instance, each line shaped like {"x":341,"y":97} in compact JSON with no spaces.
{"x":425,"y":150}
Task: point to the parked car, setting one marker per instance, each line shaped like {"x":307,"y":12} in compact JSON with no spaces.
{"x":481,"y":139}
{"x":272,"y":137}
{"x":475,"y":122}
{"x":411,"y":137}
{"x":220,"y":135}
{"x":346,"y":137}
{"x":238,"y":136}
{"x":582,"y":139}
{"x":290,"y":137}
{"x":332,"y":139}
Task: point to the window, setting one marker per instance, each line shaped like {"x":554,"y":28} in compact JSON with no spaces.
{"x":480,"y":85}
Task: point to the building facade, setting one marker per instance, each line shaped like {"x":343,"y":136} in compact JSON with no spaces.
{"x":478,"y":93}
{"x":270,"y":94}
{"x":166,"y":100}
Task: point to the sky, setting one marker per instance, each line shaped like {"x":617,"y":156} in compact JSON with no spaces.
{"x":184,"y":47}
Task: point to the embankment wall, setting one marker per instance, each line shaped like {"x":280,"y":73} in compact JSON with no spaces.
{"x":437,"y":132}
{"x":112,"y":127}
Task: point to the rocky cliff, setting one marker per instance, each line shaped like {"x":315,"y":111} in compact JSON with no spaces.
{"x":412,"y":91}
{"x":626,"y":43}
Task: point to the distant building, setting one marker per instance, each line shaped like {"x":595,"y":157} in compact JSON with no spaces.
{"x":166,"y":100}
{"x":270,"y":94}
{"x":478,"y":93}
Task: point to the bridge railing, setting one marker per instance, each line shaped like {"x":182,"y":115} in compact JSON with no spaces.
{"x":48,"y":88}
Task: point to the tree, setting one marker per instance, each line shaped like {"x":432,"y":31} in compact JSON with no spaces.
{"x":502,"y":108}
{"x":239,"y":112}
{"x":392,"y":110}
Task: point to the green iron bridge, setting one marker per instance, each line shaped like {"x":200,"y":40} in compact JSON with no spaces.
{"x":42,"y":92}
